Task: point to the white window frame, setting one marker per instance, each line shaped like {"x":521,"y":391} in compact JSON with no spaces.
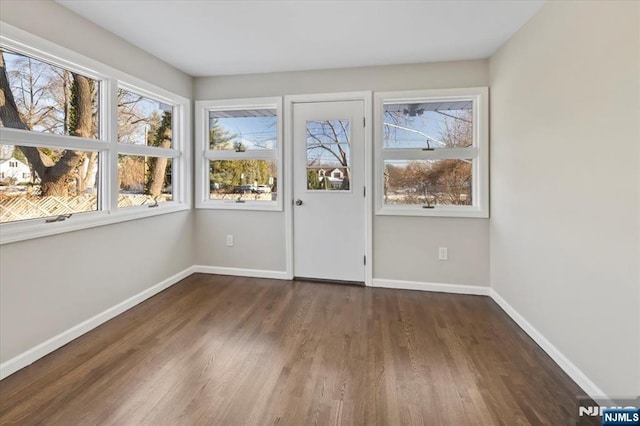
{"x":106,"y":145}
{"x":205,"y":155}
{"x":479,"y":152}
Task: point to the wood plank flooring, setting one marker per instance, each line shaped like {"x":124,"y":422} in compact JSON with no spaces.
{"x":219,"y":350}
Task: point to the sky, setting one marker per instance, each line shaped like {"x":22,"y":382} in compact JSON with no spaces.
{"x":428,"y":126}
{"x":145,"y":107}
{"x":321,"y":132}
{"x":254,"y":132}
{"x":402,"y":132}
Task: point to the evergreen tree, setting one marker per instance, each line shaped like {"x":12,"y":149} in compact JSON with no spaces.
{"x":226,"y":175}
{"x":219,"y":137}
{"x":344,"y":186}
{"x":312,"y":180}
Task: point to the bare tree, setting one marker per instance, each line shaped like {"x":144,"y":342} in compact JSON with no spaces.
{"x":456,"y":129}
{"x":158,"y":165}
{"x":31,"y":88}
{"x":327,"y":144}
{"x":53,"y":173}
{"x":131,"y":119}
{"x":446,"y":181}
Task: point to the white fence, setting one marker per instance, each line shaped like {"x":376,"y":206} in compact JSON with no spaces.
{"x":24,"y":206}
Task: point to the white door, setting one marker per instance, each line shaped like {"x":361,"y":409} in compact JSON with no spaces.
{"x":328,"y":190}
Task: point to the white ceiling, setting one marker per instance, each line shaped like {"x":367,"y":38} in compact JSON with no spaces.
{"x":206,"y":38}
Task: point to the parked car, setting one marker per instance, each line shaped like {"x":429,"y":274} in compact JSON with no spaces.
{"x":263,"y":189}
{"x":243,"y":189}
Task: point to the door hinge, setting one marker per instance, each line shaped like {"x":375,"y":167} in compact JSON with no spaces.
{"x":364,"y":121}
{"x":365,"y":259}
{"x":364,"y":191}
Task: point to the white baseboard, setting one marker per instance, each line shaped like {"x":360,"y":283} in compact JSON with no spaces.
{"x":28,"y":357}
{"x":563,"y":362}
{"x":437,"y":287}
{"x":241,"y":272}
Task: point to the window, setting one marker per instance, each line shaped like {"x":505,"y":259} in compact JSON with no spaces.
{"x":328,"y":147}
{"x":145,"y":174}
{"x":432,"y":153}
{"x":87,"y":145}
{"x":240,"y":167}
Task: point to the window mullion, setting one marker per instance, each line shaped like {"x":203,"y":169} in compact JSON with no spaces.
{"x":147,"y":151}
{"x":246,"y":155}
{"x":436,"y":154}
{"x":178,"y":189}
{"x":35,"y":139}
{"x":111,"y":168}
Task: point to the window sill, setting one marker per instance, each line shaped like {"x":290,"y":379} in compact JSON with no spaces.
{"x":271,"y":206}
{"x":437,"y":211}
{"x":37,"y":228}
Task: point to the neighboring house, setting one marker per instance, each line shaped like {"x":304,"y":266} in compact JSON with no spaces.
{"x":331,"y":172}
{"x":14,"y":171}
{"x":335,"y":174}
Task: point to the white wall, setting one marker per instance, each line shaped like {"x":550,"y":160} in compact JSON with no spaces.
{"x":565,"y":184}
{"x":258,"y":239}
{"x":48,"y":285}
{"x":404,"y":248}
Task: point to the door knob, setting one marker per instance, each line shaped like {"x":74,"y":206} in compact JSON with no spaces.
{"x":298,"y":202}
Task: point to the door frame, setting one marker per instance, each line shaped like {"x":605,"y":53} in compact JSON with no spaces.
{"x":289,"y":101}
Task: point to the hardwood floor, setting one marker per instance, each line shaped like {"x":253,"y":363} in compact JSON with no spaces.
{"x":221,"y":350}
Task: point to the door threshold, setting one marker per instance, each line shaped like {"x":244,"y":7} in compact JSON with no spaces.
{"x":329,"y":281}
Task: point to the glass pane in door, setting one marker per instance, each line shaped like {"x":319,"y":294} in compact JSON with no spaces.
{"x":328,"y":155}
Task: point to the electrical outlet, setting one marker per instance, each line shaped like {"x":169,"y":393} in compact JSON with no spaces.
{"x":443,"y":253}
{"x":229,"y":240}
